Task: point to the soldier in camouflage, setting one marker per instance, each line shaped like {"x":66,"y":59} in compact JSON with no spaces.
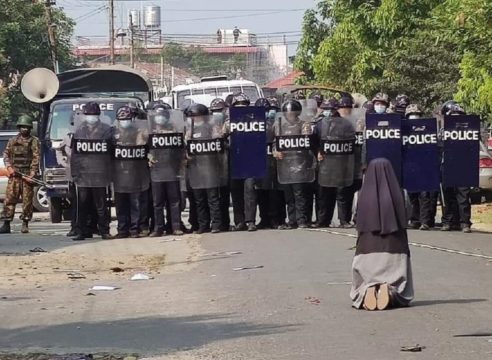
{"x":21,"y":158}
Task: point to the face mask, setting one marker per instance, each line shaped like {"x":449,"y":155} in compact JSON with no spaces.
{"x":413,"y":117}
{"x":125,"y":124}
{"x":219,"y":116}
{"x":159,"y":119}
{"x":379,"y":109}
{"x":91,"y":119}
{"x":327,"y":113}
{"x":271,"y":114}
{"x":25,"y":131}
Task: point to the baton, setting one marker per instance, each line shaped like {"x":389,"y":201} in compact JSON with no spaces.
{"x":443,"y":203}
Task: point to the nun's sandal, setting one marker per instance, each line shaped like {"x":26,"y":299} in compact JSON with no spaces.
{"x":370,"y":301}
{"x":383,"y":297}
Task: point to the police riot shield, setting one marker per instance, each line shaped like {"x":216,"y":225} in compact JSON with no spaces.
{"x":309,"y":110}
{"x":293,"y":141}
{"x":337,"y":146}
{"x":247,"y":142}
{"x":166,"y":145}
{"x":269,"y":181}
{"x":358,"y":117}
{"x":90,"y":161}
{"x":461,"y":151}
{"x":206,"y":152}
{"x":383,"y":139}
{"x":130,"y":163}
{"x":420,"y":157}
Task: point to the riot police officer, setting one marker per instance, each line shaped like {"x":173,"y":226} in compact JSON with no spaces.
{"x":381,"y":103}
{"x":21,"y":158}
{"x":206,"y":165}
{"x":457,"y":203}
{"x":131,"y":176}
{"x":423,"y":204}
{"x":243,"y":193}
{"x":401,"y":103}
{"x":296,"y":163}
{"x":218,"y":109}
{"x":90,"y":169}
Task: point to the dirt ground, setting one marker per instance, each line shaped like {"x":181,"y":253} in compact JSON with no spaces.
{"x":482,"y":217}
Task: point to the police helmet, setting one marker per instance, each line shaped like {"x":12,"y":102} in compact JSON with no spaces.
{"x":218,"y":104}
{"x":92,"y":108}
{"x":274,"y":104}
{"x":368,"y":106}
{"x":124,"y":113}
{"x":381,"y":97}
{"x":197,"y":110}
{"x":402,"y":101}
{"x":241,"y":99}
{"x":161,"y":105}
{"x":262,"y":102}
{"x":451,"y":107}
{"x":228,"y":100}
{"x":25,"y":120}
{"x":162,"y":110}
{"x":413,"y":109}
{"x":291,"y":105}
{"x":346,"y":102}
{"x":330,"y":104}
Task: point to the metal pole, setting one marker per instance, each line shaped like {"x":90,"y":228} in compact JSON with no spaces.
{"x":51,"y":33}
{"x":111,"y":30}
{"x":132,"y":61}
{"x":162,"y":71}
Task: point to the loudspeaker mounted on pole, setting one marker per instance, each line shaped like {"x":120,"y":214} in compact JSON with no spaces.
{"x":40,"y":85}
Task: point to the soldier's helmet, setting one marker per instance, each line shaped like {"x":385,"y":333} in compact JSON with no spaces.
{"x":197,"y":110}
{"x":452,"y":107}
{"x":218,"y":104}
{"x":291,"y":106}
{"x":274,"y":103}
{"x":346,"y":102}
{"x":241,"y":100}
{"x":381,"y":97}
{"x":25,"y":120}
{"x":92,"y":108}
{"x":330,"y":104}
{"x":124,"y":113}
{"x":262,"y":102}
{"x":413,"y":109}
{"x":402,"y":101}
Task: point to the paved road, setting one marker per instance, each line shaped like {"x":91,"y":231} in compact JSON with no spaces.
{"x":295,"y":307}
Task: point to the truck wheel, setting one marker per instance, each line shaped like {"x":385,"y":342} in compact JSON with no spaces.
{"x":56,"y":211}
{"x":40,"y":199}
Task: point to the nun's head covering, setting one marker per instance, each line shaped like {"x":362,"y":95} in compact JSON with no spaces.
{"x":381,"y":207}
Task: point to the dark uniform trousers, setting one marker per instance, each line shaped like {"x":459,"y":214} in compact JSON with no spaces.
{"x":295,"y":197}
{"x":457,"y":206}
{"x":208,"y":208}
{"x":225,"y":202}
{"x":166,"y":194}
{"x":128,"y":210}
{"x":271,"y":204}
{"x":424,"y":206}
{"x":345,"y":201}
{"x":327,"y":199}
{"x":87,"y":199}
{"x":146,"y":210}
{"x":244,"y":201}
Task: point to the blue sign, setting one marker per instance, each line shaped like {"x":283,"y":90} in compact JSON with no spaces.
{"x":383,"y":139}
{"x":461,"y":151}
{"x":420,"y":158}
{"x":248,"y":149}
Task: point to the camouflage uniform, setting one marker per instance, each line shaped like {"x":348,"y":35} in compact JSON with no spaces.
{"x":22,"y":155}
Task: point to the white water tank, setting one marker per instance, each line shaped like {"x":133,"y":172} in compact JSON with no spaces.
{"x":136,"y":17}
{"x":152,"y":16}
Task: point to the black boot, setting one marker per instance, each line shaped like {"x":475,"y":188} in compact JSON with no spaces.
{"x":5,"y":229}
{"x":25,"y":227}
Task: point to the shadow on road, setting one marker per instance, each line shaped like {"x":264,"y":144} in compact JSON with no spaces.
{"x":443,"y":302}
{"x":147,"y":335}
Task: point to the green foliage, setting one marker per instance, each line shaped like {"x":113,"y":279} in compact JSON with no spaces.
{"x":24,"y":45}
{"x":431,"y":50}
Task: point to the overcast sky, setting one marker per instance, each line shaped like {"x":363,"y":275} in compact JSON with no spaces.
{"x":189,"y":16}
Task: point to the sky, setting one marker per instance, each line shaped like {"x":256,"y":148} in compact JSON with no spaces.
{"x":196,"y":16}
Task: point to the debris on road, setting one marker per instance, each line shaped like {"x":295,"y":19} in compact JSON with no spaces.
{"x":222,"y":253}
{"x":140,"y":276}
{"x":313,"y":300}
{"x":90,"y":294}
{"x":171,"y":240}
{"x":248,"y":267}
{"x":477,"y":334}
{"x":37,"y":250}
{"x":104,"y":288}
{"x":117,"y":269}
{"x":416,"y":348}
{"x":75,"y":275}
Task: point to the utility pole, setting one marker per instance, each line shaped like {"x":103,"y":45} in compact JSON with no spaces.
{"x":132,"y":50}
{"x":111,"y":30}
{"x":51,"y":32}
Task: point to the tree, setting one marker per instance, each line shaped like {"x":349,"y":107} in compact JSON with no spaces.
{"x":24,"y":45}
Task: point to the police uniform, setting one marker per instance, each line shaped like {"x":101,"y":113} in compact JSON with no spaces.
{"x":21,"y":158}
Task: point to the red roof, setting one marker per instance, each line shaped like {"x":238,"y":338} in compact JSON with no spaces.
{"x":287,"y":80}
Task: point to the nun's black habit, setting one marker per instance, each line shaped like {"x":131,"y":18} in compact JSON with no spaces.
{"x":382,"y":254}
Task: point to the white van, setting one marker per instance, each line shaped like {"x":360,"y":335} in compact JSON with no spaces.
{"x":211,"y":88}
